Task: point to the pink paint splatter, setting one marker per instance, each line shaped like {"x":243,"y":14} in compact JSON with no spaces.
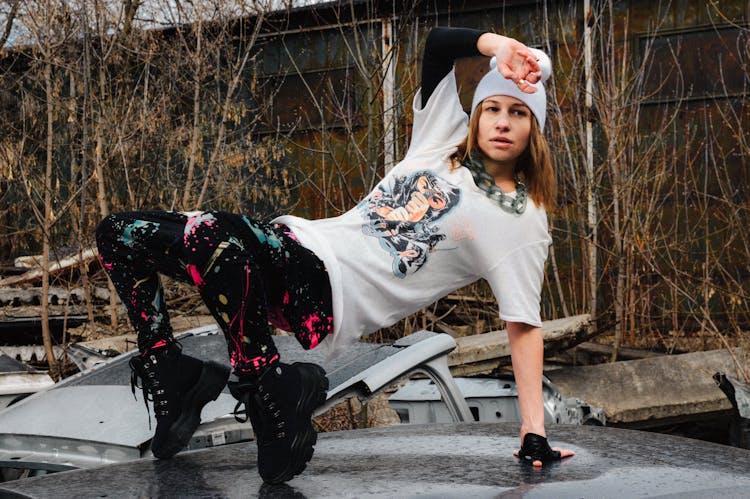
{"x":239,"y":338}
{"x":310,"y":322}
{"x":195,"y":275}
{"x":156,"y":346}
{"x":252,"y":365}
{"x":314,"y":340}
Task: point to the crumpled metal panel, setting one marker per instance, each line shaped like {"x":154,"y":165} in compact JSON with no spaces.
{"x":27,"y":353}
{"x":741,"y":396}
{"x":491,"y":400}
{"x":736,"y":391}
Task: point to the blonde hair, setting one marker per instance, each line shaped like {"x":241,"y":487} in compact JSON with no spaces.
{"x":534,"y":165}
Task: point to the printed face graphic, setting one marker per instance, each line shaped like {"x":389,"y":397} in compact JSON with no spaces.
{"x":434,"y":198}
{"x":403,"y":216}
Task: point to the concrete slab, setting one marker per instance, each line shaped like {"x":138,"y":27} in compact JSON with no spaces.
{"x":650,"y":391}
{"x":453,"y":460}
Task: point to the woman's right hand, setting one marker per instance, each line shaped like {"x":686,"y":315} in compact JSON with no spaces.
{"x":515,"y":60}
{"x":536,"y":451}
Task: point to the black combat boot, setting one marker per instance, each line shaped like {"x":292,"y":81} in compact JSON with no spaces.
{"x":180,"y":386}
{"x":280,"y":404}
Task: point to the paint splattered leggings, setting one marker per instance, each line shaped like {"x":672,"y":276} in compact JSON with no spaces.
{"x":248,"y":273}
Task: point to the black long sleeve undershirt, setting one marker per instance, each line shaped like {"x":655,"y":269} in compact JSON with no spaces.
{"x":443,"y":46}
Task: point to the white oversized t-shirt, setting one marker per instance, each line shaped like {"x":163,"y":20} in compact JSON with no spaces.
{"x":425,"y":231}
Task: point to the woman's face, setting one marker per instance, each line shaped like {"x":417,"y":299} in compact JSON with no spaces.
{"x":504,"y":128}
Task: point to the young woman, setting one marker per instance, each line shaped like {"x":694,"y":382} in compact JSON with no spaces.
{"x":467,"y":202}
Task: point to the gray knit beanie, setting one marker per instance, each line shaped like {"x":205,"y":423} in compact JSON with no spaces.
{"x":495,"y":83}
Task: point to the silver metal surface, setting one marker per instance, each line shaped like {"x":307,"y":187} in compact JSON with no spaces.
{"x":93,"y":418}
{"x":428,"y":356}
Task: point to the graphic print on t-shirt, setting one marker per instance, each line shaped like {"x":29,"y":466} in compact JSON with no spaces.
{"x":403,"y":216}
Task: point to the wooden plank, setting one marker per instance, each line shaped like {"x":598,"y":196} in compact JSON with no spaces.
{"x":126,"y":342}
{"x":55,"y":267}
{"x":482,"y":353}
{"x":16,"y":297}
{"x":622,"y":353}
{"x":120,"y":343}
{"x":477,"y":368}
{"x":34,"y":312}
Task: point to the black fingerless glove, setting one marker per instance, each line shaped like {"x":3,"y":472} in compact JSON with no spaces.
{"x":536,"y":448}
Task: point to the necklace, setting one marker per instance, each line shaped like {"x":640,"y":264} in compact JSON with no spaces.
{"x":485,"y":182}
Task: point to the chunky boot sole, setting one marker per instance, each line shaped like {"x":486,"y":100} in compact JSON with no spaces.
{"x":315,"y":389}
{"x":209,"y":385}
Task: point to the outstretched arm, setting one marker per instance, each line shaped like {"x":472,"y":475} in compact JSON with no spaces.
{"x":527,"y":355}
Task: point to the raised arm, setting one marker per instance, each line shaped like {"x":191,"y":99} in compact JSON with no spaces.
{"x":444,"y":45}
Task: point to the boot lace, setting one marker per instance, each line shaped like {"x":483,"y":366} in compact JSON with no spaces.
{"x":264,"y":413}
{"x":144,"y":367}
